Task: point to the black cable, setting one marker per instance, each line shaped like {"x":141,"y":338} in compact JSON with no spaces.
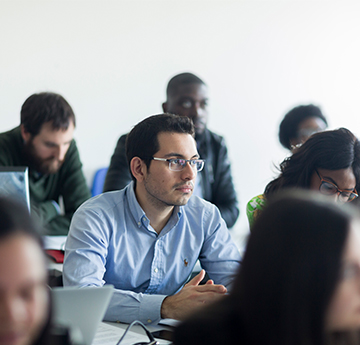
{"x":152,"y":339}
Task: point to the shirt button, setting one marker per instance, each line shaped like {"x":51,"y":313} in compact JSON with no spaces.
{"x":149,"y":321}
{"x":156,"y":270}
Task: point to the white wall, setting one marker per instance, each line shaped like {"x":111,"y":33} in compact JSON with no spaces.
{"x":112,"y":59}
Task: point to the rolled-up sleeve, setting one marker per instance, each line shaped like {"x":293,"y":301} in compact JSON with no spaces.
{"x":219,"y":255}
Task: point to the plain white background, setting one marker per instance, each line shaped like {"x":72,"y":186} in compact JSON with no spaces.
{"x":112,"y":60}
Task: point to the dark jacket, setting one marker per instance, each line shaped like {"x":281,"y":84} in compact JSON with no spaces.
{"x":216,"y":179}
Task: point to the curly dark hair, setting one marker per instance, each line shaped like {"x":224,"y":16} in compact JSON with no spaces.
{"x":331,"y":150}
{"x":290,"y":123}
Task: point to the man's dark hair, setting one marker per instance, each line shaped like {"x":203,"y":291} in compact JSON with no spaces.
{"x":180,"y":79}
{"x":45,"y":107}
{"x":143,"y":142}
{"x":289,"y":125}
{"x":330,"y":150}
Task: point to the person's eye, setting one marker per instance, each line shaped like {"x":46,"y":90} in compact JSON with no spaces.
{"x":176,"y":161}
{"x":181,"y":162}
{"x":27,"y":294}
{"x":49,"y":145}
{"x":349,"y":271}
{"x":204,"y":104}
{"x":186,"y":104}
{"x":195,"y":162}
{"x":328,"y":187}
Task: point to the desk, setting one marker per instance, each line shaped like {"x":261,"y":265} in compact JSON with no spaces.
{"x":54,"y":266}
{"x":109,"y":333}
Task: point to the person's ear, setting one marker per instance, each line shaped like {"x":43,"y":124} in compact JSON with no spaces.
{"x":138,"y":168}
{"x":25,"y":134}
{"x":164,"y":107}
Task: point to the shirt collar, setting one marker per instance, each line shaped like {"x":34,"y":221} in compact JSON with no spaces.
{"x":140,"y":216}
{"x":135,"y":209}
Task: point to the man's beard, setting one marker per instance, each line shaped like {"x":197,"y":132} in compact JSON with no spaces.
{"x":44,"y":166}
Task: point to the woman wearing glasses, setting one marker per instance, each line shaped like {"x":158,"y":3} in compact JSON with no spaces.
{"x":328,"y":162}
{"x":299,"y":282}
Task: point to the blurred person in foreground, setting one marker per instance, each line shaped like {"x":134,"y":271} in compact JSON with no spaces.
{"x":25,"y":307}
{"x":299,"y":282}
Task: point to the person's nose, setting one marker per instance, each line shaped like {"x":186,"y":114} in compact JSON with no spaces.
{"x":11,"y":310}
{"x":196,"y":110}
{"x":189,"y":172}
{"x":61,"y":152}
{"x":335,"y":197}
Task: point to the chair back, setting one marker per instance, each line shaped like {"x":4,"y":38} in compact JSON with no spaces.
{"x":98,"y":182}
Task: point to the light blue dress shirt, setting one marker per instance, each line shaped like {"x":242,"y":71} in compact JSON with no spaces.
{"x":111,"y":241}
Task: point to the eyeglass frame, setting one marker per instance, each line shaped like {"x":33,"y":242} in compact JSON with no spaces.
{"x":338,"y":191}
{"x":170,"y":160}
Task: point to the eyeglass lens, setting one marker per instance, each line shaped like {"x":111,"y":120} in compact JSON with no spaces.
{"x":327,"y":188}
{"x":179,"y":164}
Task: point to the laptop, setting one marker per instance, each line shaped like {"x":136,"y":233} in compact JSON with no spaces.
{"x":81,"y":309}
{"x":14,"y":183}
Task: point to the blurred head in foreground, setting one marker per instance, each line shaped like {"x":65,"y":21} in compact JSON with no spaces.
{"x":24,"y":295}
{"x":299,"y":281}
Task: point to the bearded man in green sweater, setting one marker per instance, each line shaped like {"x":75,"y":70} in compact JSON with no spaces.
{"x":44,"y":143}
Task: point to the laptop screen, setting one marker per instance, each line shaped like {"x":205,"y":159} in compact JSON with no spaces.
{"x":81,"y":309}
{"x":14,"y":183}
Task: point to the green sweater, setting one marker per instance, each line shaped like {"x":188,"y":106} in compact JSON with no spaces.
{"x":69,"y":183}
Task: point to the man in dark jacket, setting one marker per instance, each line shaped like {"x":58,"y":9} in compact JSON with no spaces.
{"x":187,"y":96}
{"x":44,"y":143}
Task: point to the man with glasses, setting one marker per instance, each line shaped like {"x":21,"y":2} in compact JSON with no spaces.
{"x":187,"y":95}
{"x":146,"y":238}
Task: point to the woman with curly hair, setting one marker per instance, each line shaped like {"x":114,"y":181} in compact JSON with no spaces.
{"x":328,"y":162}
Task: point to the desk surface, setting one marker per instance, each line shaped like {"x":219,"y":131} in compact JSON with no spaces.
{"x":109,"y":333}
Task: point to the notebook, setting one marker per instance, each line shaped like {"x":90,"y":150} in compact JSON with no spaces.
{"x":81,"y":309}
{"x":14,"y":182}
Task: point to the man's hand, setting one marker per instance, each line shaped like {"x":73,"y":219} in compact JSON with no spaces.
{"x":191,"y":297}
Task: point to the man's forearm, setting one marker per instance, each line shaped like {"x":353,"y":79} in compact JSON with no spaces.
{"x":128,"y":306}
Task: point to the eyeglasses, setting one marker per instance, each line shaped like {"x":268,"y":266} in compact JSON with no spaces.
{"x":152,"y":340}
{"x":329,"y":188}
{"x":176,"y":164}
{"x":349,"y":271}
{"x":307,"y":132}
